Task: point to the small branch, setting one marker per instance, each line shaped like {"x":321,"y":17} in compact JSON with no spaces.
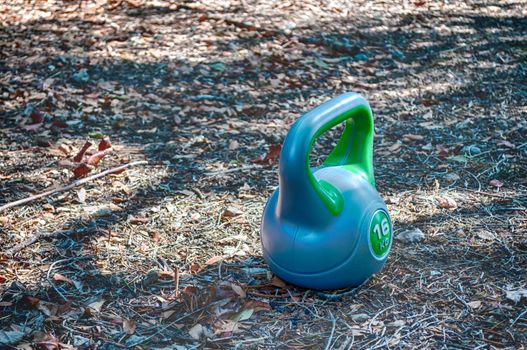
{"x":45,"y":235}
{"x":71,"y":185}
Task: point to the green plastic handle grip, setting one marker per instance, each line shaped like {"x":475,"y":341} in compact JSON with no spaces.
{"x":354,"y":152}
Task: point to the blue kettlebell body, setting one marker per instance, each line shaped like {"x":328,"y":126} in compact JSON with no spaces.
{"x":327,"y":228}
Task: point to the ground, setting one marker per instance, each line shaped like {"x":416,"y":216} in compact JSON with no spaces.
{"x":166,"y":254}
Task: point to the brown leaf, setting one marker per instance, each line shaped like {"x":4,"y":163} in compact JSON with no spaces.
{"x":442,"y":150}
{"x":45,"y":341}
{"x":496,"y":183}
{"x":105,"y":143}
{"x":231,"y":211}
{"x":83,"y":150}
{"x":94,"y":159}
{"x":62,"y":278}
{"x":129,"y":326}
{"x":271,"y":156}
{"x":257,"y":305}
{"x":413,"y":137}
{"x":82,"y":170}
{"x":238,"y":290}
{"x":277,"y":282}
{"x":446,"y":203}
{"x":395,"y":147}
{"x":213,"y":260}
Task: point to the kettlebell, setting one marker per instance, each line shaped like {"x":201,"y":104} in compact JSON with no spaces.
{"x":327,"y":227}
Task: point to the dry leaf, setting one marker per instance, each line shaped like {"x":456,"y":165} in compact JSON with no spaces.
{"x":105,"y":143}
{"x":233,"y":145}
{"x":239,"y":290}
{"x":45,"y":341}
{"x":97,"y":305}
{"x":242,"y":315}
{"x":95,"y":158}
{"x":213,"y":260}
{"x":231,"y":211}
{"x":474,"y":304}
{"x":257,"y":305}
{"x":395,"y":147}
{"x":516,"y":295}
{"x":442,"y":150}
{"x":129,"y":326}
{"x":81,"y":195}
{"x":82,"y":170}
{"x":506,"y":143}
{"x":83,"y":150}
{"x":446,"y":203}
{"x":197,"y":331}
{"x":412,"y":137}
{"x":496,"y":183}
{"x":277,"y":282}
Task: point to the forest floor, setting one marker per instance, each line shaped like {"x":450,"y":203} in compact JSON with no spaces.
{"x":167,"y":255}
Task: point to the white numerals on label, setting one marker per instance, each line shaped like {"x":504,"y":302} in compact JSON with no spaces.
{"x":384,"y":229}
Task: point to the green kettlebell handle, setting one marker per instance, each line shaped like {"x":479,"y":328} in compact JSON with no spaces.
{"x":354,"y":152}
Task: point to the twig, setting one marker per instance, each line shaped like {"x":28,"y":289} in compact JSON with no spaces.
{"x":71,"y":185}
{"x":232,"y":170}
{"x":45,"y":235}
{"x":334,"y":323}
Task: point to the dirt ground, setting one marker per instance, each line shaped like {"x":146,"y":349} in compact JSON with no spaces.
{"x":166,"y":254}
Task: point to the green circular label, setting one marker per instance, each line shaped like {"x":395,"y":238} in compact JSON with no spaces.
{"x":380,"y":233}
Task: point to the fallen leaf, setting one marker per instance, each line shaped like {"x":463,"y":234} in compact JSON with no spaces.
{"x":506,"y":143}
{"x":226,"y":326}
{"x":474,"y":304}
{"x":496,"y":183}
{"x":10,"y":337}
{"x":516,"y":295}
{"x":277,"y":282}
{"x":397,"y":323}
{"x":486,"y":235}
{"x":446,"y":203}
{"x":360,"y":317}
{"x":442,"y":150}
{"x":238,"y":290}
{"x":409,"y":236}
{"x":45,"y":341}
{"x":242,"y":315}
{"x":213,"y":260}
{"x":83,"y":150}
{"x":97,"y":305}
{"x":395,"y":147}
{"x":62,"y":278}
{"x":231,"y":211}
{"x":105,"y":143}
{"x":233,"y":145}
{"x":82,"y":170}
{"x":257,"y":305}
{"x":129,"y":326}
{"x":413,"y":137}
{"x":196,"y":331}
{"x":95,"y":158}
{"x":272,"y":155}
{"x":81,"y":195}
{"x":4,"y":220}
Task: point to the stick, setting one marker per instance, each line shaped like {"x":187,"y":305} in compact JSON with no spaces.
{"x":71,"y":185}
{"x":44,"y":235}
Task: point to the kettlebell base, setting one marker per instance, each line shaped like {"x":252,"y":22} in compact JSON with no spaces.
{"x":337,"y":278}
